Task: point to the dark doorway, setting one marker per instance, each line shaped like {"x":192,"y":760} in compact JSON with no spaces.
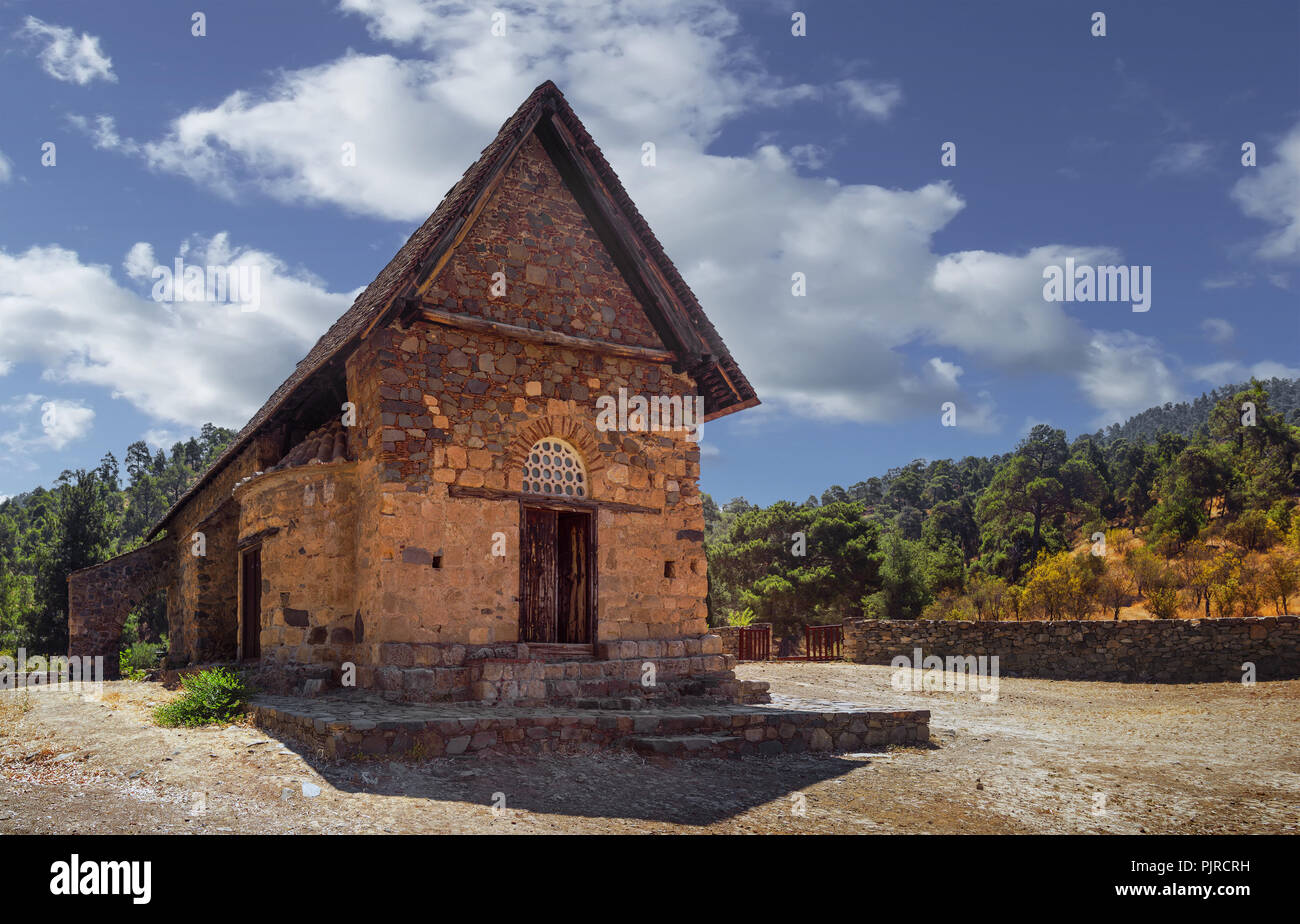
{"x":250,"y":604}
{"x":557,"y":576}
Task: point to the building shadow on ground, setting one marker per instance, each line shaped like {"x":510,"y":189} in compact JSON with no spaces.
{"x":609,"y":784}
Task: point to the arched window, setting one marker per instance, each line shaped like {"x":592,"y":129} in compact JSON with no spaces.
{"x":554,"y":468}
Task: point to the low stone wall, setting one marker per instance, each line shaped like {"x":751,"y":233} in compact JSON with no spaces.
{"x":730,"y":636}
{"x":1168,"y":650}
{"x":101,"y":597}
{"x":337,"y":727}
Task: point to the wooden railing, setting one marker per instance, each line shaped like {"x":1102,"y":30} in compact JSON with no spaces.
{"x":754,"y":643}
{"x":823,"y":643}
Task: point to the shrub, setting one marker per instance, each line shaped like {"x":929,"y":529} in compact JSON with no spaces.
{"x":873,"y":605}
{"x":1163,"y":602}
{"x":213,"y":695}
{"x":1281,"y":578}
{"x":988,"y":595}
{"x":1115,"y":588}
{"x":138,"y":659}
{"x":950,"y":605}
{"x":743,"y":618}
{"x":1253,"y":531}
{"x":1146,"y":567}
{"x":1063,"y":586}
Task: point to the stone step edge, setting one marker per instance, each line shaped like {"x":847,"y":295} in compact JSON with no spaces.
{"x":683,"y":745}
{"x":695,"y":663}
{"x":458,"y":654}
{"x":761,"y":733}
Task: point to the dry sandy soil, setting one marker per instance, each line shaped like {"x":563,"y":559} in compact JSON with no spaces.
{"x":1048,"y":756}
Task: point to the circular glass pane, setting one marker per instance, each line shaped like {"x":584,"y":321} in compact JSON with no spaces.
{"x":554,"y":467}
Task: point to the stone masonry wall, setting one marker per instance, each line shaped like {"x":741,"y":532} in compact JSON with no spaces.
{"x":730,"y":636}
{"x":306,"y":519}
{"x":101,"y":597}
{"x":1171,"y":651}
{"x":207,"y":591}
{"x":559,"y":276}
{"x":440,"y":407}
{"x":202,"y":601}
{"x":484,"y":436}
{"x":202,"y":591}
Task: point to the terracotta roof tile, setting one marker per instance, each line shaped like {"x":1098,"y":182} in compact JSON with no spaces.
{"x":324,"y":444}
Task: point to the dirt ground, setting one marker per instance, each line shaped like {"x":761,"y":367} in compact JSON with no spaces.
{"x":1048,"y":756}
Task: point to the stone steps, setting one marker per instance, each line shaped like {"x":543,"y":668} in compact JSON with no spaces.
{"x":612,"y":703}
{"x":347,"y":725}
{"x":499,"y":678}
{"x":677,"y":680}
{"x":544,"y":651}
{"x":687,"y":745}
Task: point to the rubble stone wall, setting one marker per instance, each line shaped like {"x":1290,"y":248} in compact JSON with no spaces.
{"x":100,"y":598}
{"x":205,"y":591}
{"x":202,"y":601}
{"x":1157,"y":650}
{"x":730,"y":636}
{"x":305,"y":519}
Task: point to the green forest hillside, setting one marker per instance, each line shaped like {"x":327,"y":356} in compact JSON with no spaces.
{"x":1189,"y":509}
{"x":1186,"y":417}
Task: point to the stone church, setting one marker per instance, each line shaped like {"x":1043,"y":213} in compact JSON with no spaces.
{"x":429,"y":500}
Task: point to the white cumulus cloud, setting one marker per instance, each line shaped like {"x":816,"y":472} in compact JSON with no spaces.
{"x":876,"y":98}
{"x":140,"y":260}
{"x":1126,"y":373}
{"x":63,"y":422}
{"x":66,"y":56}
{"x":1271,"y":193}
{"x":181,"y":362}
{"x":58,"y":422}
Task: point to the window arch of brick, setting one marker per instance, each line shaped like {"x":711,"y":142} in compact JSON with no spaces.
{"x":554,"y":468}
{"x":582,"y":438}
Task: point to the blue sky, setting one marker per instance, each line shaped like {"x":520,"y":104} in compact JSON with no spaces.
{"x":775,"y":154}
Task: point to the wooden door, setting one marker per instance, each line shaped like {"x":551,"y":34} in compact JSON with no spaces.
{"x":572,"y":585}
{"x":557,"y":581}
{"x":250,"y":607}
{"x":537,"y":575}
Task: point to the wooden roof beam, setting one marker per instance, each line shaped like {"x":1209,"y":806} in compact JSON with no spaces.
{"x":549,"y":337}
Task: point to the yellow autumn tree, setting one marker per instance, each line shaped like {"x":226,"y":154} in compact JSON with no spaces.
{"x":1225,"y":581}
{"x":1280,"y":576}
{"x":1063,"y":586}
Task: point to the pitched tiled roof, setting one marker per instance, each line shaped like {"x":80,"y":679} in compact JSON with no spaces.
{"x":426,"y":245}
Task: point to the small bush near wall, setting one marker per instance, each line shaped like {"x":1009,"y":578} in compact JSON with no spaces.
{"x":215,"y":695}
{"x":137,"y":660}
